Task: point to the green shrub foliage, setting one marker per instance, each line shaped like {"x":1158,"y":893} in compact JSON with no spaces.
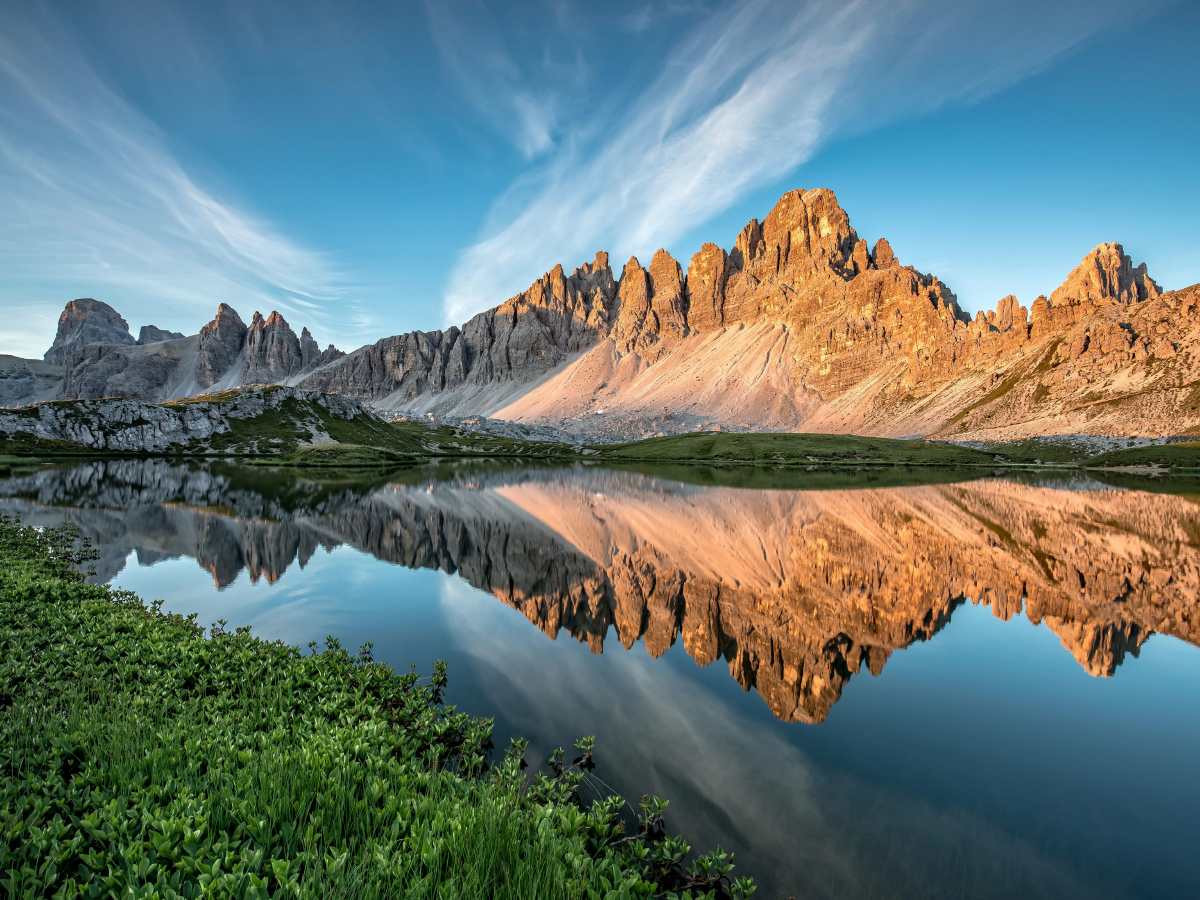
{"x":143,"y":757}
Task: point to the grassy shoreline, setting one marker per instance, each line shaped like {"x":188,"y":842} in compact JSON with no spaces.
{"x":142,"y":756}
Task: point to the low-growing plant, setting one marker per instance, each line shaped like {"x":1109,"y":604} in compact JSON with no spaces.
{"x":144,"y":756}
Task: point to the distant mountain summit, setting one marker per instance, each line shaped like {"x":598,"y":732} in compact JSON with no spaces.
{"x":86,"y":321}
{"x":95,"y":355}
{"x":800,"y":326}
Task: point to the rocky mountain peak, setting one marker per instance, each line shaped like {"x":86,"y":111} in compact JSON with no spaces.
{"x":221,"y":342}
{"x":747,"y":246}
{"x":273,"y":352}
{"x":829,"y":228}
{"x":806,"y":232}
{"x":598,"y":265}
{"x":86,"y":321}
{"x":707,"y":273}
{"x":1106,"y":273}
{"x":226,"y":317}
{"x":632,"y":308}
{"x":668,"y":301}
{"x":882,"y":256}
{"x":597,"y":290}
{"x":310,"y":350}
{"x":1007,"y":314}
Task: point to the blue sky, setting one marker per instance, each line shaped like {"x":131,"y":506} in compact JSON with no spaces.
{"x":371,"y":168}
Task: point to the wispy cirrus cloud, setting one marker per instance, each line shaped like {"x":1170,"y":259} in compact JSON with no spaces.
{"x":94,"y":198}
{"x":466,"y":36}
{"x":747,"y":96}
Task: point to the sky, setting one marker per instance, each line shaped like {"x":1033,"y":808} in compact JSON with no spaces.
{"x":369,"y":169}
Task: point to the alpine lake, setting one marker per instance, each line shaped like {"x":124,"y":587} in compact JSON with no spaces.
{"x":863,"y":683}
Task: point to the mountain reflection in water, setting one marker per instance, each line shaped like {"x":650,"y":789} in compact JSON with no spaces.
{"x":796,"y":590}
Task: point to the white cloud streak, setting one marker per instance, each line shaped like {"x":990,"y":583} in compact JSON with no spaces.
{"x":94,"y":199}
{"x":466,"y":38}
{"x":750,"y":94}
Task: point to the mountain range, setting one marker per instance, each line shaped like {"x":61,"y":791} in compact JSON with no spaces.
{"x":799,"y":327}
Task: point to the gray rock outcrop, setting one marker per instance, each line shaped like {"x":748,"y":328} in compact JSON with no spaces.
{"x":117,"y":370}
{"x":27,"y":380}
{"x":152,"y":334}
{"x":519,"y":341}
{"x":311,"y":354}
{"x":86,"y":321}
{"x":133,"y":426}
{"x":273,"y":352}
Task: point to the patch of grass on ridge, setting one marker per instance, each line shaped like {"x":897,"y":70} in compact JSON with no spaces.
{"x":140,"y":757}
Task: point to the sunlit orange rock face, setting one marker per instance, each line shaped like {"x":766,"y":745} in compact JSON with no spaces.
{"x":802,"y":327}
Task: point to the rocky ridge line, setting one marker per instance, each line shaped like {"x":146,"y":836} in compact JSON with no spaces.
{"x":800,"y":326}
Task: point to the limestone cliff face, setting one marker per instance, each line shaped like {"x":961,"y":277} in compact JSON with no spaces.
{"x":801,"y":326}
{"x":797,"y":592}
{"x":86,"y":321}
{"x":221,"y":341}
{"x":272,"y":351}
{"x":119,"y":370}
{"x":27,"y":380}
{"x":794,"y":268}
{"x":311,"y":354}
{"x":518,"y":342}
{"x":1106,"y":274}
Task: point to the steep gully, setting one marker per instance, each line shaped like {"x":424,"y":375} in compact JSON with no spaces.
{"x":800,"y":326}
{"x":796,"y":591}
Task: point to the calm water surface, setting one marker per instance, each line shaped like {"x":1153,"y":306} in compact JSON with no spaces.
{"x":977,"y":689}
